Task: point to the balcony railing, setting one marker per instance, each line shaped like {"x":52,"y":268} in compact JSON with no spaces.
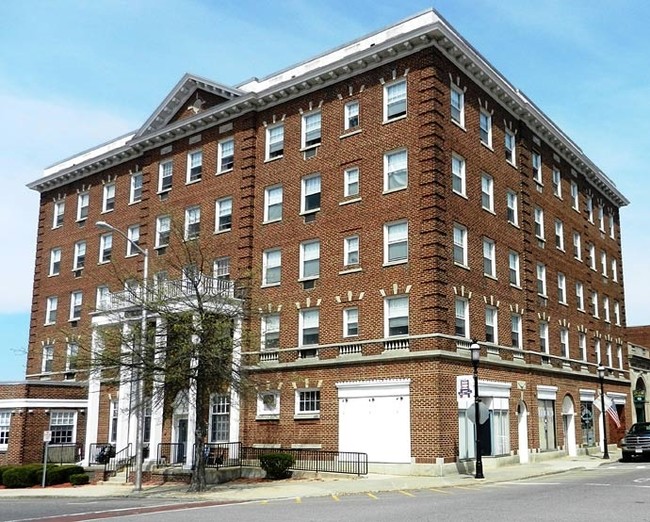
{"x":171,"y":289}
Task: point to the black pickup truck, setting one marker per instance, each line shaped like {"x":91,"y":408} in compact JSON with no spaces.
{"x":636,"y":442}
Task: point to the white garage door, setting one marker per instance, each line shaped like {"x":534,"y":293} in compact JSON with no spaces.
{"x":374,"y":418}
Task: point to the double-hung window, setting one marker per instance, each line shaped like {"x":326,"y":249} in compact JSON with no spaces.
{"x":395,"y":100}
{"x":590,"y":209}
{"x":489,"y":258}
{"x":512,"y":204}
{"x":5,"y":423}
{"x":575,"y":196}
{"x":311,"y":129}
{"x":557,"y":182}
{"x":513,"y":265}
{"x":485,"y":124}
{"x":83,"y":202}
{"x":105,"y":247}
{"x":72,"y":356}
{"x":541,"y":279}
{"x":163,"y":230}
{"x":273,"y":203}
{"x":275,"y":141}
{"x":461,"y":306}
{"x":395,"y":170}
{"x":580,"y":296}
{"x":457,"y":105}
{"x":509,"y":146}
{"x":606,"y":316}
{"x":102,"y":299}
{"x":79,"y":260}
{"x":192,"y":223}
{"x":396,"y":316}
{"x":270,"y":332}
{"x":311,"y":194}
{"x":350,"y":322}
{"x":582,"y":345}
{"x":133,"y":235}
{"x":62,"y":424}
{"x":617,"y":313}
{"x":76,"y":300}
{"x":57,"y":217}
{"x":165,"y":173}
{"x":271,"y":267}
{"x":55,"y":261}
{"x":51,"y":305}
{"x":603,"y":262}
{"x":487,"y":192}
{"x":612,"y":227}
{"x":309,"y":326}
{"x":351,"y":251}
{"x":458,"y":182}
{"x":220,"y":418}
{"x":516,"y":340}
{"x":491,"y":325}
{"x":559,"y":235}
{"x":592,"y":256}
{"x":537,"y":167}
{"x":539,"y":222}
{"x":601,"y":218}
{"x":135,"y":194}
{"x":564,"y":342}
{"x":396,"y":245}
{"x":310,"y":259}
{"x":561,"y":288}
{"x":225,"y":155}
{"x":543,"y":337}
{"x":108,"y":200}
{"x":577,"y":246}
{"x":460,"y":245}
{"x":223,"y":213}
{"x":614,"y":268}
{"x":194,"y":166}
{"x":351,"y":182}
{"x":47,"y":358}
{"x":351,"y":111}
{"x":221,"y":268}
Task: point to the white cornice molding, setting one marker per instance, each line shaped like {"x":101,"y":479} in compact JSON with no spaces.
{"x":427,"y":29}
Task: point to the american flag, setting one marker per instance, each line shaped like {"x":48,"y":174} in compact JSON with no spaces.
{"x":610,"y":408}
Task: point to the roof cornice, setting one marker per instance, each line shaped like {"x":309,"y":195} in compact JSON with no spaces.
{"x":425,"y":30}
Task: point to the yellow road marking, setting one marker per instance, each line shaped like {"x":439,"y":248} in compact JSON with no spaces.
{"x":372,"y":496}
{"x":298,"y":500}
{"x":441,"y":491}
{"x":407,"y":493}
{"x":335,"y":498}
{"x":472,"y":488}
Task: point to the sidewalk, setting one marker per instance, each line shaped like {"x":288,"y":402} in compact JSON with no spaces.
{"x":319,"y":485}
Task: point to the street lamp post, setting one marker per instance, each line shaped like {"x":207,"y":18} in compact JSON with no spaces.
{"x":139,"y":435}
{"x":601,"y":377}
{"x":475,"y":350}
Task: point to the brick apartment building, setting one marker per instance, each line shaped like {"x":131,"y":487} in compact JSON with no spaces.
{"x":387,"y":201}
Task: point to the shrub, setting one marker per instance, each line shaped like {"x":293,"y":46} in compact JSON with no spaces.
{"x":67,"y":471}
{"x":277,"y":465}
{"x":79,"y":479}
{"x":2,"y":470}
{"x":19,"y":477}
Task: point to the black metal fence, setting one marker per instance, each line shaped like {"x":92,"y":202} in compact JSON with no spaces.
{"x":222,"y":454}
{"x":350,"y":462}
{"x":112,"y":460}
{"x":171,"y":454}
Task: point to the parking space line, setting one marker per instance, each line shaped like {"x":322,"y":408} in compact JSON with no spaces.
{"x":298,"y":500}
{"x":334,"y":497}
{"x":444,"y":492}
{"x":406,"y":493}
{"x":372,"y":496}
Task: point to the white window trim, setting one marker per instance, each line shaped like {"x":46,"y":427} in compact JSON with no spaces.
{"x":387,"y":243}
{"x":188,"y":174}
{"x":303,"y":260}
{"x":485,"y":114}
{"x":161,"y":177}
{"x":222,"y":205}
{"x":346,"y":321}
{"x":58,"y":210}
{"x":347,"y":115}
{"x":159,"y":222}
{"x":462,"y":175}
{"x":489,"y":180}
{"x":220,"y":157}
{"x":311,"y":414}
{"x":81,"y":198}
{"x":132,"y":192}
{"x":266,"y":255}
{"x":55,"y":259}
{"x":490,"y":257}
{"x":461,"y":109}
{"x":388,"y":316}
{"x":267,"y":202}
{"x":463,"y":245}
{"x":267,"y":146}
{"x":303,"y":194}
{"x":387,"y":173}
{"x":303,"y":131}
{"x":387,"y":87}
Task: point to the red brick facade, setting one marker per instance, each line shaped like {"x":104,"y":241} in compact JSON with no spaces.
{"x":433,"y":356}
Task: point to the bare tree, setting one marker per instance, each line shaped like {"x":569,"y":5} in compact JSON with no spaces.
{"x":180,"y":331}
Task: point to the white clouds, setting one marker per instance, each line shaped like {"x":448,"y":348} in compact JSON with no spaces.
{"x":36,"y":133}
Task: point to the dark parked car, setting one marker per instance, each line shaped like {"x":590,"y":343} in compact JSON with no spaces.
{"x":636,"y":442}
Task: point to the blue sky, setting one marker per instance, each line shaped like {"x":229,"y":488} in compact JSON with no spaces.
{"x":76,"y":73}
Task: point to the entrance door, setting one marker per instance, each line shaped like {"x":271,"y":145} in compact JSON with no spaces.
{"x":181,"y":440}
{"x":569,"y":425}
{"x":546,"y":424}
